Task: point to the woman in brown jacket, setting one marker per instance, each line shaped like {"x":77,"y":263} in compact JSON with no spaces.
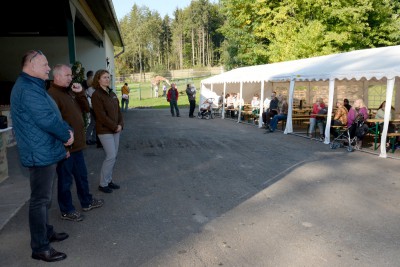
{"x":109,"y":125}
{"x":340,"y":118}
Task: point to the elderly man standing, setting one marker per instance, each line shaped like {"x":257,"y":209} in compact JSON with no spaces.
{"x":191,"y":93}
{"x":41,"y":135}
{"x":72,"y":102}
{"x":172,"y":98}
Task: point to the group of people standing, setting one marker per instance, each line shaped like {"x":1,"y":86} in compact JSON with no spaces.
{"x":173,"y":95}
{"x":50,"y":132}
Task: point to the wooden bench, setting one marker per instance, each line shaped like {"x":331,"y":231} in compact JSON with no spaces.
{"x":392,"y":140}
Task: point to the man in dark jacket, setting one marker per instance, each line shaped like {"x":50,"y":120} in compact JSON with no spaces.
{"x":172,"y":98}
{"x":72,"y":102}
{"x":41,"y":135}
{"x":191,"y":93}
{"x":272,"y":111}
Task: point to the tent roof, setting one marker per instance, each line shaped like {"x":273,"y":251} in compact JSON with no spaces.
{"x":368,"y":63}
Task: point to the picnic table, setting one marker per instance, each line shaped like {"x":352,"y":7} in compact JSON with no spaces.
{"x":375,"y":130}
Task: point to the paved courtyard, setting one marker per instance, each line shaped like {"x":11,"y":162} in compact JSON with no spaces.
{"x":217,"y":193}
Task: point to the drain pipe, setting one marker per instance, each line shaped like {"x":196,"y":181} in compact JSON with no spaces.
{"x":120,"y":53}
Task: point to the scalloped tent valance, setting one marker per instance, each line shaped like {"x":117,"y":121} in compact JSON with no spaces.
{"x":371,"y":63}
{"x":366,"y":64}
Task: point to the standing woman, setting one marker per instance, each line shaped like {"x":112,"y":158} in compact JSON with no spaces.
{"x":109,"y":125}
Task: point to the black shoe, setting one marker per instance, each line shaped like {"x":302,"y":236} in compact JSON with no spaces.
{"x":99,"y":146}
{"x":178,"y":115}
{"x":89,"y":142}
{"x":105,"y":189}
{"x":58,"y":237}
{"x":49,"y":255}
{"x":113,"y":186}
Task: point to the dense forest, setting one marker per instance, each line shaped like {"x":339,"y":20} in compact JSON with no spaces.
{"x":236,"y":33}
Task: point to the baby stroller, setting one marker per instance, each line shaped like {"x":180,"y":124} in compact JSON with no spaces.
{"x":348,"y":136}
{"x":206,"y":110}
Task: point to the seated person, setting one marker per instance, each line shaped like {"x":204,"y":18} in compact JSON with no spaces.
{"x":238,"y":102}
{"x":346,"y":104}
{"x":255,"y":104}
{"x":230,"y":104}
{"x":380,"y":114}
{"x":357,"y":115}
{"x":271,"y":111}
{"x":340,"y":118}
{"x":319,"y":107}
{"x":282,"y":115}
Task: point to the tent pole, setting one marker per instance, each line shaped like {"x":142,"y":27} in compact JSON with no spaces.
{"x":330,"y":108}
{"x":289,"y":124}
{"x":261,"y":105}
{"x":224,"y":102}
{"x":240,"y":102}
{"x":388,"y":106}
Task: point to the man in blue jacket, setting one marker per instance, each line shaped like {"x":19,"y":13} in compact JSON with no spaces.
{"x":41,"y":135}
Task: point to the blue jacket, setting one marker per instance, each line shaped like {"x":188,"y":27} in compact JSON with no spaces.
{"x":39,"y":129}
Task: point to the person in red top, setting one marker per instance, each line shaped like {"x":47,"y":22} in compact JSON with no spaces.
{"x":172,"y":98}
{"x":318,"y":107}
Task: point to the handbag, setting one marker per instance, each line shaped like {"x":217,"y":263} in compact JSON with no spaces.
{"x":124,"y":96}
{"x":3,"y":122}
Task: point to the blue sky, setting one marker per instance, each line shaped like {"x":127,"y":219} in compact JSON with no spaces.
{"x":123,"y":7}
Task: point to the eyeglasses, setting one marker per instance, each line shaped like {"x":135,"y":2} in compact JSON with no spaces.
{"x":38,"y":52}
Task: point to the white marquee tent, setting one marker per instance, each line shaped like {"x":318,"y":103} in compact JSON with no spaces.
{"x":377,"y":63}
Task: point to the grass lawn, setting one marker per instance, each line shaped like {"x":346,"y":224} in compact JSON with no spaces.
{"x":141,"y":94}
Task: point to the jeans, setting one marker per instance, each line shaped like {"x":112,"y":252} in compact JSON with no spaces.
{"x":192,"y":107}
{"x":67,"y":169}
{"x":320,"y":123}
{"x":41,"y":182}
{"x":110,"y":144}
{"x":124,"y":103}
{"x":174,"y":105}
{"x":276,"y":119}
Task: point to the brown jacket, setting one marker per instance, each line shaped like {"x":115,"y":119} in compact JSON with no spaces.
{"x":72,"y":106}
{"x":107,"y":111}
{"x":341,"y":115}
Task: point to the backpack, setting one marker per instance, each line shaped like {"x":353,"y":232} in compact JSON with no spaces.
{"x":322,"y":111}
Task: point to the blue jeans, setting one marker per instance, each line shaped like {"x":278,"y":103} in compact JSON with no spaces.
{"x":124,"y":103}
{"x":110,"y":144}
{"x":276,"y":119}
{"x":67,"y":169}
{"x":320,"y":124}
{"x":174,"y":105}
{"x":41,"y":182}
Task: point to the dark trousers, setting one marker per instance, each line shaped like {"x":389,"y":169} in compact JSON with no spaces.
{"x":67,"y":169}
{"x":124,"y":104}
{"x":268,"y":115}
{"x":192,"y":107}
{"x":174,"y":106}
{"x":41,"y":182}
